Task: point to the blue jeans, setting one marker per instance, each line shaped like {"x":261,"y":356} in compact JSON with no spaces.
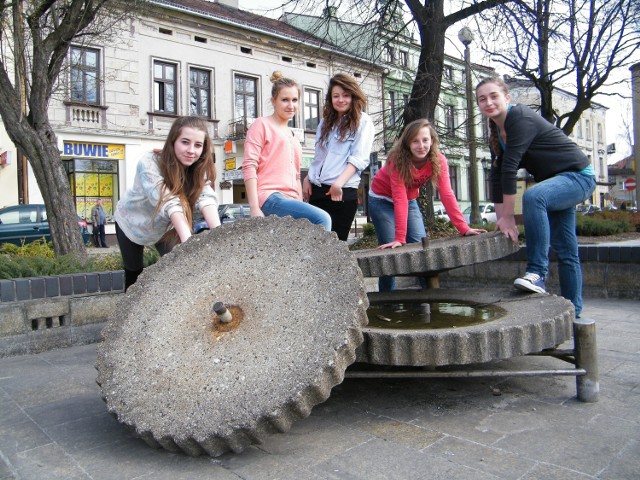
{"x":383,"y":218}
{"x":281,"y":206}
{"x":549,"y":213}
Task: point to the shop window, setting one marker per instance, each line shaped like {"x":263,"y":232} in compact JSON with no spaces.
{"x":91,"y":179}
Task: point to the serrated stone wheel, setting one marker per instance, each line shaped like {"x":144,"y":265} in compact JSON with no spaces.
{"x":186,"y":382}
{"x":527,"y":323}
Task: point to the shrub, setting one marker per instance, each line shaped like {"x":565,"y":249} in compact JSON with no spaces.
{"x":595,"y":225}
{"x":37,"y":248}
{"x":368,"y":230}
{"x":39,"y":260}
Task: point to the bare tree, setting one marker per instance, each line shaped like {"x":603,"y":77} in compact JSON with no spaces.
{"x":35,"y":39}
{"x":569,"y":44}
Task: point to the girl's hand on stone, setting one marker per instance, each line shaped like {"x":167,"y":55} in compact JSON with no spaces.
{"x":393,"y":244}
{"x":474,"y":231}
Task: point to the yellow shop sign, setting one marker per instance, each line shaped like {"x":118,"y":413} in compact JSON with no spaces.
{"x":93,"y":150}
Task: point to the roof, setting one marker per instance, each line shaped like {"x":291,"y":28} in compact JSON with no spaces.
{"x":245,"y":19}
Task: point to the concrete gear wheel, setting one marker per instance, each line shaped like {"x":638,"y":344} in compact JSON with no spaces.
{"x":185,"y":381}
{"x":527,"y":323}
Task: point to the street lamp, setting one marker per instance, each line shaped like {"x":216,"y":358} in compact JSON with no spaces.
{"x":466,"y":37}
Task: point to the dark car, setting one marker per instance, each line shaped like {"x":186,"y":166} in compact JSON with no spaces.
{"x":28,"y":223}
{"x":229,"y":212}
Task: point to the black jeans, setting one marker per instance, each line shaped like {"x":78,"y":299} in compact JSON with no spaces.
{"x":133,"y":256}
{"x":342,"y":213}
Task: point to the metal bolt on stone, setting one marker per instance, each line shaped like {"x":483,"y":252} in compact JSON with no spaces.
{"x":222,"y":312}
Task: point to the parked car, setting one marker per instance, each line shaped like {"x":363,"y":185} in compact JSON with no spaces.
{"x":487,"y":213}
{"x":440,"y":212}
{"x":28,"y":223}
{"x":587,"y":209}
{"x":228,"y":212}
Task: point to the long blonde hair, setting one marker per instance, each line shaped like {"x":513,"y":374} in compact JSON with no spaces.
{"x":185,"y":183}
{"x":279,"y":82}
{"x":401,"y":156}
{"x":350,"y":122}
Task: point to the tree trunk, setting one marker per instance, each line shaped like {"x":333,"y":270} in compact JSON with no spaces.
{"x":42,"y":152}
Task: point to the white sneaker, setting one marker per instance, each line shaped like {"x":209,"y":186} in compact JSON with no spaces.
{"x":531,"y":282}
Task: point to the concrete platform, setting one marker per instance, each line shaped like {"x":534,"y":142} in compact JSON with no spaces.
{"x":54,"y":425}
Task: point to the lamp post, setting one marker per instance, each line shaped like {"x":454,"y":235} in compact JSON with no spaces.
{"x":466,"y":37}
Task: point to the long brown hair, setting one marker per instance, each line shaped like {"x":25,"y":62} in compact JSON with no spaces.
{"x":494,"y":143}
{"x":348,"y":125}
{"x":185,"y":183}
{"x":401,"y":156}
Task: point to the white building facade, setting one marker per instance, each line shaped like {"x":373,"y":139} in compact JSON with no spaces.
{"x":117,"y":101}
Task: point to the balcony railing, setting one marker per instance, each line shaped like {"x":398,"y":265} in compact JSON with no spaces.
{"x":83,"y":115}
{"x":237,"y":129}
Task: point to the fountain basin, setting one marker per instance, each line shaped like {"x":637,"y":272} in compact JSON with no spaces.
{"x":529,"y":323}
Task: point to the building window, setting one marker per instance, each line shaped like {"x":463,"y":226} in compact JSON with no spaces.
{"x":85,"y":75}
{"x":485,"y":131}
{"x":311,"y":108}
{"x":164,"y":87}
{"x":200,"y":92}
{"x":245,"y":97}
{"x":579,"y":129}
{"x":392,"y":108}
{"x":448,"y":72}
{"x":389,"y":54}
{"x":404,"y":58}
{"x":587,"y":128}
{"x":487,"y":179}
{"x":450,"y":119}
{"x":599,"y":133}
{"x":453,"y":176}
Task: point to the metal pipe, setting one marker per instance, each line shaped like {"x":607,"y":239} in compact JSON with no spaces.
{"x":466,"y":374}
{"x":584,"y":337}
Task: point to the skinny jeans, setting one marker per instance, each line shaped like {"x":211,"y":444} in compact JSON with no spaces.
{"x":282,"y":206}
{"x":549,"y":215}
{"x":383,"y":218}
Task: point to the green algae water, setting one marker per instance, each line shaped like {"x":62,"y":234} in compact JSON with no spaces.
{"x":418,"y":314}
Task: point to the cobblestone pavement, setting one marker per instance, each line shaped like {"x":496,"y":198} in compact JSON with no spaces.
{"x":54,"y":425}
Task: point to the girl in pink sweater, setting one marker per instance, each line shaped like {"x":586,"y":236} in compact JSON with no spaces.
{"x":413,"y":160}
{"x":272,"y":154}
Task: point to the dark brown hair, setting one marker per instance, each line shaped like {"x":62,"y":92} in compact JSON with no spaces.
{"x":401,"y":156}
{"x":494,"y":143}
{"x":330,"y":118}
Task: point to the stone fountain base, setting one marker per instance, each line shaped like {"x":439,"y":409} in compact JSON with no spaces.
{"x":529,"y":323}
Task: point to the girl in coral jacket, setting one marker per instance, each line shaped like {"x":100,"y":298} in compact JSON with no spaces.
{"x":271,"y":165}
{"x":413,"y":160}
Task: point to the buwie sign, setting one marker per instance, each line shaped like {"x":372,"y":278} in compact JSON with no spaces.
{"x":92,"y":150}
